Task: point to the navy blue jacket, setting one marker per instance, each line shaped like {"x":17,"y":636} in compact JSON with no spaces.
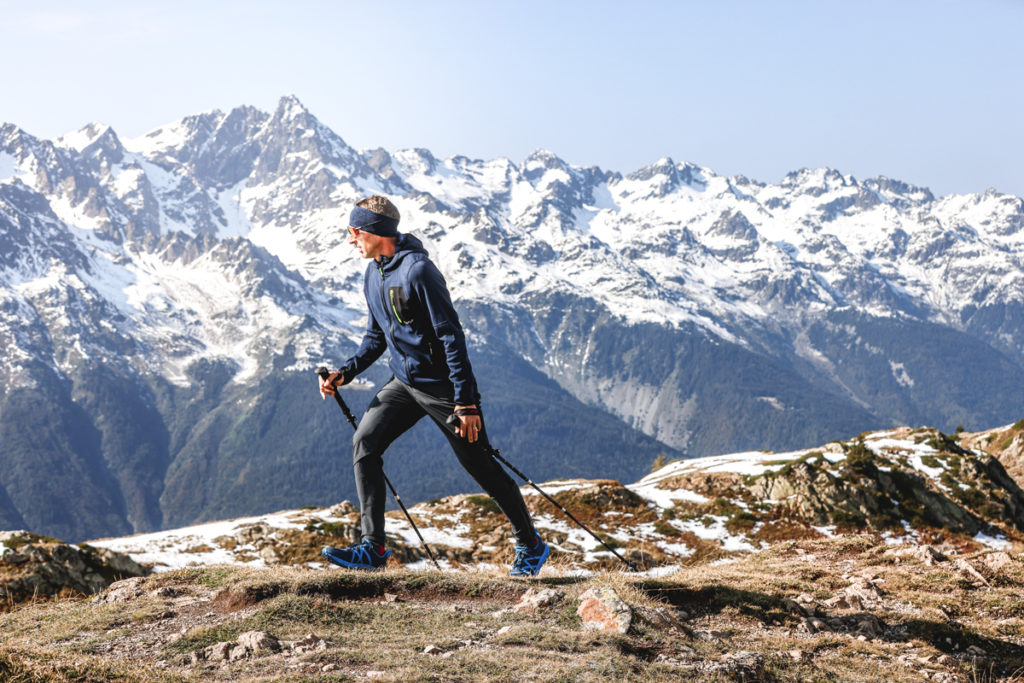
{"x":411,"y":315}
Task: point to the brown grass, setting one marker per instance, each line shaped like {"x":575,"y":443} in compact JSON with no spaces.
{"x":934,"y":621}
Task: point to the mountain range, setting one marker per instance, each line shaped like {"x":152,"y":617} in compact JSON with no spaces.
{"x":164,"y":299}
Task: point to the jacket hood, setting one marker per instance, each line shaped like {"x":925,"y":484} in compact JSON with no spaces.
{"x":407,"y":245}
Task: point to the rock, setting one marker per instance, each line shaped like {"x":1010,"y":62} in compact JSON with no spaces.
{"x":390,"y":597}
{"x":971,"y":574}
{"x":813,"y":625}
{"x":794,"y":607}
{"x":119,"y":562}
{"x":342,"y":509}
{"x":48,"y":567}
{"x":310,"y":643}
{"x":601,"y":609}
{"x":432,"y":650}
{"x":533,"y":600}
{"x":257,"y":641}
{"x":995,"y":562}
{"x":270,"y":555}
{"x":868,"y":625}
{"x":503,"y":630}
{"x":861,"y":595}
{"x":167,"y":592}
{"x":929,"y":555}
{"x":236,"y":652}
{"x":743,"y":666}
{"x":798,"y":655}
{"x":327,"y":668}
{"x":976,"y":651}
{"x":250,"y":533}
{"x":661,"y":617}
{"x":122,"y":591}
{"x":218,"y":652}
{"x":12,"y":557}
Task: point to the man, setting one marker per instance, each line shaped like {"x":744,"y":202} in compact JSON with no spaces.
{"x":411,"y":315}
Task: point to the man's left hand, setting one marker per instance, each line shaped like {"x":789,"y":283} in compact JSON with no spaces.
{"x":469,"y":425}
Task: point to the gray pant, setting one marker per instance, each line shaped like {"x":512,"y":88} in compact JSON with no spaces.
{"x":396,"y":408}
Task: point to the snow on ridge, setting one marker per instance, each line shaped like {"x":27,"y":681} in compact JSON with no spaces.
{"x":197,"y":545}
{"x":79,"y":139}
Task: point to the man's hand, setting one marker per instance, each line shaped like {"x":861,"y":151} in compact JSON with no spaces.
{"x":469,"y":425}
{"x":328,"y":386}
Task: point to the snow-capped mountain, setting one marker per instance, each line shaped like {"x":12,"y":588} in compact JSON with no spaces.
{"x":163,"y":300}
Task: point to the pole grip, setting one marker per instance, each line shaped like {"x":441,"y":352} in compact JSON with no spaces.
{"x":324,"y":373}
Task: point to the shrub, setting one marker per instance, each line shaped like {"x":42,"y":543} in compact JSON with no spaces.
{"x":486,"y":502}
{"x":666,"y":529}
{"x":859,"y":457}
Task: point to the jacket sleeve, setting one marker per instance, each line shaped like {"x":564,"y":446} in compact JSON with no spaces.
{"x":429,"y":286}
{"x":369,"y":350}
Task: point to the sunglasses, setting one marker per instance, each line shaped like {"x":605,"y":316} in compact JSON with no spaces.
{"x":354,"y":232}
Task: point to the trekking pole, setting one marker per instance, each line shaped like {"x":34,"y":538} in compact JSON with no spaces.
{"x":496,"y":454}
{"x":324,"y":374}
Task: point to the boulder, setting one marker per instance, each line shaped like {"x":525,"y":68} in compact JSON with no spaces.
{"x":601,"y":609}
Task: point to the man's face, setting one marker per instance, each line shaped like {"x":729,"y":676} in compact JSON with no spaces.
{"x":369,"y":245}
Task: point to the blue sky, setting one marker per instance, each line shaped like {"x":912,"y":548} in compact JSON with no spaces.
{"x":926,"y":92}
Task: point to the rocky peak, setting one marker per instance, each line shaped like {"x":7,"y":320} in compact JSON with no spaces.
{"x":816,"y":181}
{"x":541,"y":160}
{"x":94,"y":140}
{"x":290,"y":108}
{"x":179,"y":141}
{"x":899,"y":194}
{"x":666,"y":176}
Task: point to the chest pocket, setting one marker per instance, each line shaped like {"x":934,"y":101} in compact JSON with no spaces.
{"x":400,"y":306}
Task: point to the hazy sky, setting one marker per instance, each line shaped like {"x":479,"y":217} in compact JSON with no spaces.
{"x":925,"y":92}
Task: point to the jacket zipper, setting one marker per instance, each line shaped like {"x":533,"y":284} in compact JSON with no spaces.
{"x":391,"y":323}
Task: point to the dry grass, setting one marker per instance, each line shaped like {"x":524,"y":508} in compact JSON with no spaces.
{"x":377,"y":625}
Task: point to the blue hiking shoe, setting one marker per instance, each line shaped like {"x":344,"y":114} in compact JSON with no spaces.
{"x":529,"y":560}
{"x":362,"y":555}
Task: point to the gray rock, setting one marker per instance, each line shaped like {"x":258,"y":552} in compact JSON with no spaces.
{"x":122,"y":591}
{"x":257,"y":641}
{"x":533,"y":600}
{"x":218,"y":652}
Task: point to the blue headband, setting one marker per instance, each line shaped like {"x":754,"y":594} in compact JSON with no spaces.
{"x":373,"y":223}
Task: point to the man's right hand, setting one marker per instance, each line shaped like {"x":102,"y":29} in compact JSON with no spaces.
{"x":328,"y":385}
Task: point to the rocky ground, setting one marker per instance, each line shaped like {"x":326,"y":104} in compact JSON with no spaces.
{"x":897,"y":555}
{"x":844,"y":609}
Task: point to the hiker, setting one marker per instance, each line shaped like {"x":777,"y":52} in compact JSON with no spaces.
{"x":411,"y":315}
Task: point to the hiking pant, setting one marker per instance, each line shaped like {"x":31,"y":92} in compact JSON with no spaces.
{"x":396,"y":408}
